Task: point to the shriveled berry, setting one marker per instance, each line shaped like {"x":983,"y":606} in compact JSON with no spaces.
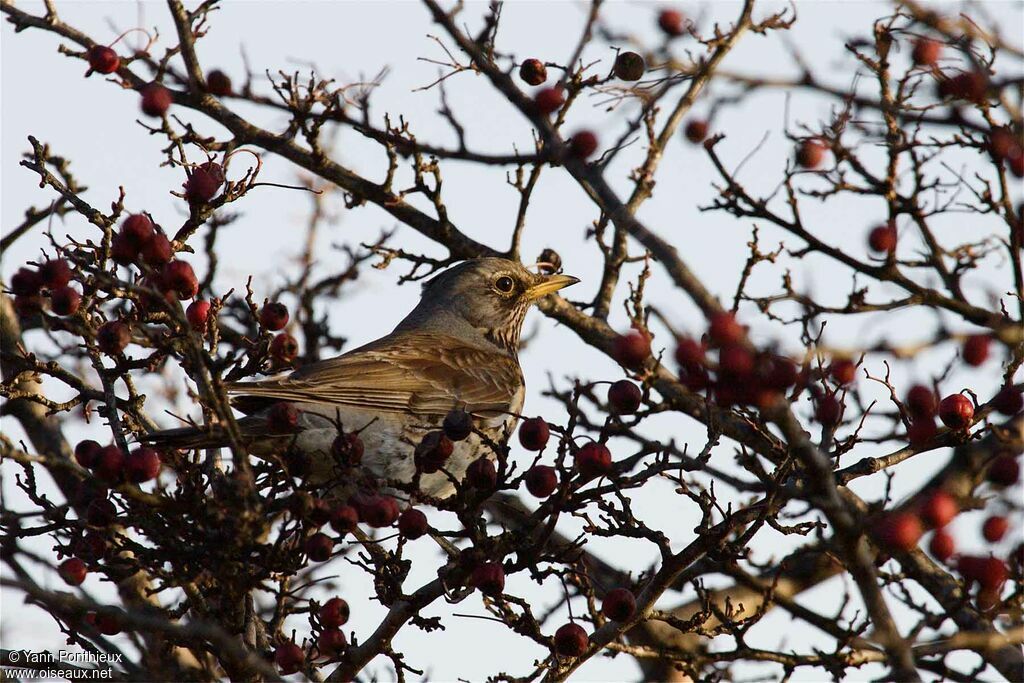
{"x":284,"y":348}
{"x":142,"y":464}
{"x":976,"y":348}
{"x":489,"y":578}
{"x":481,"y":474}
{"x":319,"y":512}
{"x":179,"y":278}
{"x":629,"y":66}
{"x":412,"y":524}
{"x":696,"y":130}
{"x":289,"y":658}
{"x":72,"y":571}
{"x":533,"y":72}
{"x":593,"y":460}
{"x":631,"y":349}
{"x":549,"y":100}
{"x":956,"y":411}
{"x":319,"y":547}
{"x":198,"y":314}
{"x":344,"y":519}
{"x":534,"y":433}
{"x":274,"y":316}
{"x":156,"y":100}
{"x":619,"y":604}
{"x":65,"y":301}
{"x":347,"y":449}
{"x":433,"y":452}
{"x":334,"y":613}
{"x":624,"y":397}
{"x":282,"y":418}
{"x":87,"y":453}
{"x":102,"y":59}
{"x":218,"y":83}
{"x":458,"y":424}
{"x":898,"y":530}
{"x":571,"y":640}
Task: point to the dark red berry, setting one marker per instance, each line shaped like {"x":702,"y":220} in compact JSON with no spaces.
{"x":102,"y":59}
{"x":971,"y":86}
{"x":108,"y":624}
{"x":549,"y":100}
{"x":995,"y":528}
{"x":843,"y":371}
{"x":73,"y":571}
{"x":289,"y":658}
{"x":283,"y":418}
{"x":433,"y":452}
{"x":347,"y":449}
{"x":942,"y":546}
{"x":533,"y":72}
{"x":137,"y":230}
{"x":541,"y":480}
{"x":723,"y":328}
{"x":55,"y":273}
{"x":989,"y":572}
{"x":593,"y":460}
{"x":921,"y":431}
{"x":26,"y":282}
{"x":921,"y":402}
{"x":1008,"y":401}
{"x":334,"y":613}
{"x":926,"y":52}
{"x":284,"y":348}
{"x":198,"y":314}
{"x":1004,"y":471}
{"x":201,"y":186}
{"x":87,"y":453}
{"x":489,"y":578}
{"x":481,"y":474}
{"x":534,"y":433}
{"x":956,"y":411}
{"x":319,"y":512}
{"x":344,"y":519}
{"x":110,"y":463}
{"x":218,"y":83}
{"x":898,"y":531}
{"x":331,"y":642}
{"x":629,"y":66}
{"x":142,"y":464}
{"x":458,"y":424}
{"x":631,"y":349}
{"x":975,"y":349}
{"x":27,"y":306}
{"x":112,"y":337}
{"x":1002,"y":143}
{"x":100,"y":512}
{"x":156,"y":100}
{"x":810,"y":154}
{"x":624,"y":397}
{"x":571,"y":640}
{"x":689,"y":352}
{"x":319,"y":547}
{"x":939,"y":509}
{"x":412,"y":524}
{"x":179,"y":278}
{"x":736,"y":361}
{"x":380,"y":511}
{"x":122,"y":251}
{"x":828,"y":410}
{"x":157,"y":251}
{"x":882,"y":239}
{"x":583,"y":144}
{"x":65,"y":301}
{"x":274,"y":316}
{"x":619,"y":604}
{"x":696,"y":130}
{"x":671,"y":22}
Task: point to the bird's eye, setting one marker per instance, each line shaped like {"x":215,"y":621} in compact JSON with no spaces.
{"x":504,"y":284}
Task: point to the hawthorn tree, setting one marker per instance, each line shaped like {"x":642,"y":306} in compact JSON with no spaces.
{"x":224,"y":564}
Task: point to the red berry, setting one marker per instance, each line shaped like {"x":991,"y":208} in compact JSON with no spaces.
{"x":274,"y":316}
{"x":829,"y":410}
{"x":157,"y":251}
{"x":696,"y":130}
{"x":87,"y":453}
{"x":533,"y":72}
{"x":956,"y":411}
{"x":995,"y":528}
{"x":27,"y":306}
{"x":73,"y":571}
{"x":689,"y":352}
{"x":412,"y":524}
{"x":380,"y":511}
{"x":488,"y":578}
{"x":218,"y":83}
{"x":723,"y":328}
{"x":344,"y":519}
{"x":619,"y":604}
{"x":91,"y":547}
{"x":1003,"y":143}
{"x":583,"y":144}
{"x":1004,"y":471}
{"x":201,"y":186}
{"x":921,"y":431}
{"x":549,"y":100}
{"x":102,"y":59}
{"x":1008,"y":401}
{"x":137,"y":230}
{"x":55,"y":273}
{"x":110,"y":463}
{"x":65,"y":301}
{"x":156,"y":100}
{"x":975,"y":349}
{"x":142,"y":464}
{"x":810,"y":153}
{"x":671,"y":22}
{"x":284,"y":349}
{"x":347,"y":449}
{"x":100,"y":512}
{"x":457,"y":425}
{"x":942,"y":546}
{"x":882,"y":239}
{"x":319,"y":512}
{"x":198,"y":314}
{"x":735,"y":360}
{"x":969,"y":85}
{"x":283,"y":418}
{"x":178,"y":277}
{"x":481,"y":474}
{"x":112,"y":337}
{"x":990,"y":572}
{"x":631,"y":349}
{"x":624,"y":397}
{"x":593,"y":460}
{"x":571,"y":640}
{"x":26,"y":282}
{"x":122,"y":251}
{"x":921,"y":401}
{"x":778,"y":372}
{"x":289,"y":658}
{"x":1016,"y":162}
{"x":108,"y":624}
{"x":629,"y":66}
{"x":843,"y":371}
{"x":319,"y":547}
{"x":433,"y":452}
{"x":939,"y":509}
{"x":898,"y":531}
{"x":926,"y":51}
{"x":541,"y":480}
{"x":534,"y":433}
{"x":334,"y":613}
{"x":331,"y":642}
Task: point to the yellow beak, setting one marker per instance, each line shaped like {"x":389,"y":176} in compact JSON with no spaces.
{"x":552,"y":283}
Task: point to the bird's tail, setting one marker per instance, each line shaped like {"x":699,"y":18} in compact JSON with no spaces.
{"x":208,"y":436}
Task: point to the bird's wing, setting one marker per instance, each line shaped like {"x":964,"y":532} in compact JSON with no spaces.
{"x":422,"y":373}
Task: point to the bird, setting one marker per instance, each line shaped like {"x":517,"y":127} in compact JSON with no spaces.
{"x":458,"y":349}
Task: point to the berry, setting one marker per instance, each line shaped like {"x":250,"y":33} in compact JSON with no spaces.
{"x":334,"y":613}
{"x":122,"y":251}
{"x":810,"y":154}
{"x":975,"y":349}
{"x":218,"y":83}
{"x":274,"y":316}
{"x":110,"y":463}
{"x":137,"y":230}
{"x":179,"y":278}
{"x":100,"y":512}
{"x":696,"y":130}
{"x":1002,"y":143}
{"x":87,"y":453}
{"x":593,"y":460}
{"x":921,"y":401}
{"x":939,"y":509}
{"x":926,"y":51}
{"x":412,"y":524}
{"x":843,"y":371}
{"x":1017,"y":163}
{"x":631,"y":349}
{"x":26,"y":306}
{"x":898,"y":530}
{"x":289,"y":658}
{"x":282,"y":418}
{"x":689,"y":352}
{"x":941,"y":546}
{"x":198,"y":314}
{"x":619,"y":604}
{"x":1008,"y":401}
{"x":1004,"y":471}
{"x":778,"y":372}
{"x":735,"y":360}
{"x":26,"y":282}
{"x":488,"y":578}
{"x":65,"y":301}
{"x":108,"y":624}
{"x":344,"y":519}
{"x":534,"y":433}
{"x":91,"y":547}
{"x":55,"y":273}
{"x":433,"y":452}
{"x":142,"y":464}
{"x":347,"y":449}
{"x":102,"y":59}
{"x":571,"y":640}
{"x":882,"y":239}
{"x":583,"y":144}
{"x":319,"y":547}
{"x":995,"y":528}
{"x":956,"y":411}
{"x":723,"y":328}
{"x":671,"y":22}
{"x":969,"y":85}
{"x":481,"y":474}
{"x":156,"y":100}
{"x":319,"y":512}
{"x":458,"y":424}
{"x":829,"y":411}
{"x":629,"y":66}
{"x":533,"y":72}
{"x":73,"y":571}
{"x":380,"y":511}
{"x":157,"y":251}
{"x":990,"y":572}
{"x":284,"y":349}
{"x":921,"y":431}
{"x":549,"y":100}
{"x":201,"y":186}
{"x":624,"y":397}
{"x":331,"y":642}
{"x":541,"y":481}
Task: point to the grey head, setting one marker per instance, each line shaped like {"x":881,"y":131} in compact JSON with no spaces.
{"x":483,"y":301}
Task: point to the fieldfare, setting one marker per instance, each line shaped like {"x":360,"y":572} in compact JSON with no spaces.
{"x":457,"y":349}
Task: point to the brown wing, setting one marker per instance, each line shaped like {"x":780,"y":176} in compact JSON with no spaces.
{"x":423,"y":373}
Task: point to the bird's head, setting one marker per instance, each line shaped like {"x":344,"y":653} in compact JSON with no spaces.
{"x":490,"y":295}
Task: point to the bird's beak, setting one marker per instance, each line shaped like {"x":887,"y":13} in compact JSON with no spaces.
{"x":551,"y":283}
